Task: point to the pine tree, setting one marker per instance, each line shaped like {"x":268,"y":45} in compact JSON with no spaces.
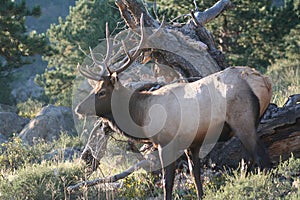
{"x":254,"y":33}
{"x":69,"y":39}
{"x":15,"y":42}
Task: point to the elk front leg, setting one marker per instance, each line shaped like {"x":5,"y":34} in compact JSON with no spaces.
{"x":168,"y":172}
{"x":195,"y":171}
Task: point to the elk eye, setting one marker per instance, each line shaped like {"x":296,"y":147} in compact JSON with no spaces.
{"x":101,"y":93}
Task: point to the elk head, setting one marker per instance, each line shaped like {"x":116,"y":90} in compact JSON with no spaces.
{"x":98,"y":102}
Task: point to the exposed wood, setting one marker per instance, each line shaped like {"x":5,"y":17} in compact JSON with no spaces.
{"x":281,"y":131}
{"x":212,"y":12}
{"x":131,"y":11}
{"x":111,"y":179}
{"x":199,"y":19}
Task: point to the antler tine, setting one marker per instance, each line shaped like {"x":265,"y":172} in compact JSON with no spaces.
{"x":108,"y":54}
{"x":137,"y":52}
{"x":96,"y":62}
{"x":88,"y":73}
{"x":108,"y":49}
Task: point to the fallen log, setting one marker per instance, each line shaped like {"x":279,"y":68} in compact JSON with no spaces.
{"x":112,"y":179}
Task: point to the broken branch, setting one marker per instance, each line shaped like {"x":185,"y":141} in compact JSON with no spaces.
{"x":212,"y":12}
{"x":111,"y":179}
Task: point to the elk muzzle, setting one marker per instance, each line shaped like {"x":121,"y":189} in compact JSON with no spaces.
{"x":86,"y":107}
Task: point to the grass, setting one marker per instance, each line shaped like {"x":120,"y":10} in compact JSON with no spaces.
{"x":275,"y":184}
{"x":285,"y":75}
{"x":35,"y":178}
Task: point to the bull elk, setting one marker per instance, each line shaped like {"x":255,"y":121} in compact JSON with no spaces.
{"x":220,"y":105}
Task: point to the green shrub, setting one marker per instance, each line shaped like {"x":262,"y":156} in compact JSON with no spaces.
{"x":66,"y":140}
{"x":41,"y":181}
{"x":137,"y":186}
{"x":14,"y":154}
{"x":261,"y":185}
{"x":29,"y":108}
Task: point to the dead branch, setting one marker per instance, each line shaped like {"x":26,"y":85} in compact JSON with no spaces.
{"x":112,"y":179}
{"x":201,"y":18}
{"x":212,"y":12}
{"x":131,"y":12}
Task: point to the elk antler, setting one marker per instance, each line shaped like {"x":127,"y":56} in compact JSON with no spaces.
{"x":126,"y":62}
{"x":144,"y":39}
{"x":131,"y":58}
{"x":87,"y":72}
{"x":108,"y":49}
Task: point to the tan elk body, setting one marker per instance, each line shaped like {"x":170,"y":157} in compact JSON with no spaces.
{"x":183,"y":115}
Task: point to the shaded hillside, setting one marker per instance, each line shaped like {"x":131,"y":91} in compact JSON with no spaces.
{"x":19,"y":85}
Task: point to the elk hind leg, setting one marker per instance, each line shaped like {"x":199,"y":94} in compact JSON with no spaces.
{"x":195,"y":171}
{"x":243,"y":119}
{"x":246,"y":132}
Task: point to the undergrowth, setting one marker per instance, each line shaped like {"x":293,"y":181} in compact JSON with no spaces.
{"x":26,"y":175}
{"x":29,"y":108}
{"x":285,"y":75}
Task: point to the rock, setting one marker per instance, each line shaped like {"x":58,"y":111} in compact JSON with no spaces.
{"x":48,"y":124}
{"x":26,"y":90}
{"x":7,"y":108}
{"x":11,"y":123}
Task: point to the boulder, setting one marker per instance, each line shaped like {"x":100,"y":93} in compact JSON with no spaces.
{"x":11,"y":123}
{"x":27,"y":89}
{"x":48,"y":124}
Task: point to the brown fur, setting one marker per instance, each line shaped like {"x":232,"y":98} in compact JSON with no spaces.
{"x":246,"y":94}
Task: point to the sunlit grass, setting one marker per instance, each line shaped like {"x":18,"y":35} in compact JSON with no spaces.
{"x":285,"y":76}
{"x":29,"y":108}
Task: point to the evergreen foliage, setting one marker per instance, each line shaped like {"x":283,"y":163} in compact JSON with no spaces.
{"x":254,"y":33}
{"x":15,"y":41}
{"x":70,"y":38}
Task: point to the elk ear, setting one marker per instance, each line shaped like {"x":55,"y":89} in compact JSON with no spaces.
{"x":114,"y":79}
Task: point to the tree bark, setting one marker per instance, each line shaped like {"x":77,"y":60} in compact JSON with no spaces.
{"x":131,"y":12}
